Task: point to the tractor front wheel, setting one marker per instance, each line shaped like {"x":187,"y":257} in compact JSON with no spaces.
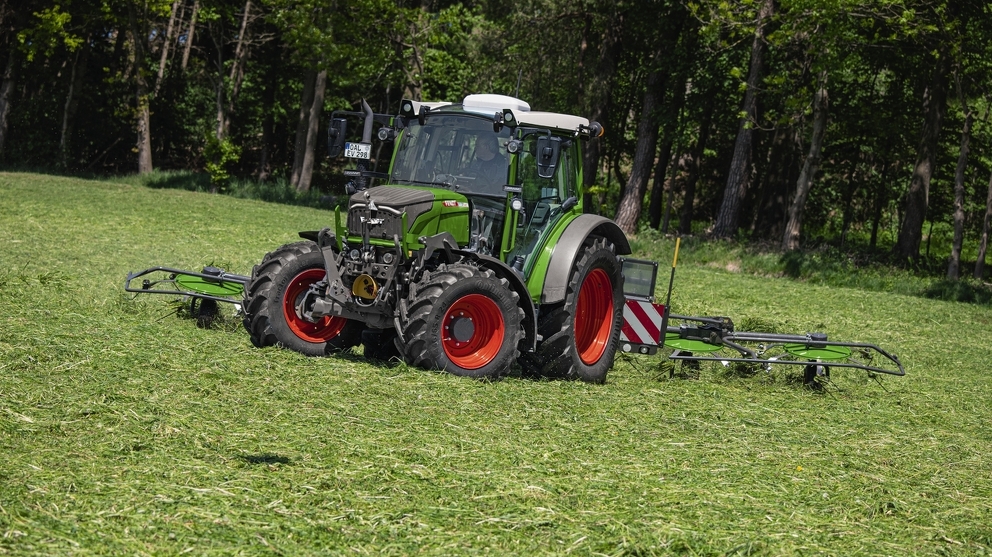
{"x":582,"y":333}
{"x":463,"y":319}
{"x":272,"y":304}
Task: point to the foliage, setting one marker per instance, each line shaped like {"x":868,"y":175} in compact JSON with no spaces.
{"x":240,"y":67}
{"x":220,"y":154}
{"x":50,"y":29}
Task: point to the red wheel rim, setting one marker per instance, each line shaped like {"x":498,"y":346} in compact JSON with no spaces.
{"x":324,"y":329}
{"x":484,"y":320}
{"x":594,"y":316}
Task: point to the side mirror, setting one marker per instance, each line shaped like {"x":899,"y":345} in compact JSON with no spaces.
{"x":548,"y":154}
{"x":335,"y":136}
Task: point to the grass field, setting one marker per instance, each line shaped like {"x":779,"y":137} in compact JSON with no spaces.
{"x":127,"y":430}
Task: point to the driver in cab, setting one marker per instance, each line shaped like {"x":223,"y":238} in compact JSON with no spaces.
{"x":489,"y":166}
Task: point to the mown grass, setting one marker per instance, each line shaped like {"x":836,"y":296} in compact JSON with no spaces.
{"x":126,"y":430}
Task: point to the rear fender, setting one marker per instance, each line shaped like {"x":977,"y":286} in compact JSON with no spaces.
{"x":566,"y":251}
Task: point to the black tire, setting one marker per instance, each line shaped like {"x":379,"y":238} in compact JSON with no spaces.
{"x":582,"y":348}
{"x":380,"y":345}
{"x":269,"y":315}
{"x":462,"y":319}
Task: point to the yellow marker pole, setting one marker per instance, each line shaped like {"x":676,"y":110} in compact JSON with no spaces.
{"x":668,"y":299}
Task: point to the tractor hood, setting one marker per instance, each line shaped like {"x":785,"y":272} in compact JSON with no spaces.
{"x":428,"y":212}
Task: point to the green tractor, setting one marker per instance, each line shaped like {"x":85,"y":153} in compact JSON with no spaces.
{"x":471,"y":252}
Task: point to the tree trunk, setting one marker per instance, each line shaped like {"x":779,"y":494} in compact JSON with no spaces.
{"x":164,"y":55}
{"x":669,"y":199}
{"x":414,"y":68}
{"x":268,"y":123}
{"x":72,"y":101}
{"x":302,"y":126}
{"x":6,"y":92}
{"x":629,"y":210}
{"x":189,"y":35}
{"x":954,"y":265}
{"x":880,"y":202}
{"x":316,"y":112}
{"x":696,"y":168}
{"x":917,"y":197}
{"x":658,"y":188}
{"x":142,"y":111}
{"x":221,"y":106}
{"x":790,"y":239}
{"x":237,"y":75}
{"x":598,"y":103}
{"x":740,"y":166}
{"x":672,"y":129}
{"x":983,"y":242}
{"x":220,"y":87}
{"x":676,"y":124}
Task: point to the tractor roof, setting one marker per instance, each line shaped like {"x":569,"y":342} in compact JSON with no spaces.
{"x":515,"y":112}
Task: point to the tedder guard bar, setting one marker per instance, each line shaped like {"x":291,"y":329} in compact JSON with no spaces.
{"x":211,"y":284}
{"x":714,"y":338}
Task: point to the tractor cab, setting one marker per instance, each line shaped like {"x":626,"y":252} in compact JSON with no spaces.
{"x":518,"y":169}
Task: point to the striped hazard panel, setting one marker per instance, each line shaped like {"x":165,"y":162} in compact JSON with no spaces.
{"x":641,"y":330}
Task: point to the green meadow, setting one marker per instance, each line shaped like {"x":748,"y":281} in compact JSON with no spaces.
{"x":127,"y":430}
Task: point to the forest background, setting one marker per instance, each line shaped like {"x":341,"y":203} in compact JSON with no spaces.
{"x":862,"y":124}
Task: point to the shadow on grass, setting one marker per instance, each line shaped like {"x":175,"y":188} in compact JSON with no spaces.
{"x":265,"y":458}
{"x":965,"y":291}
{"x":183,"y":180}
{"x":277,"y":190}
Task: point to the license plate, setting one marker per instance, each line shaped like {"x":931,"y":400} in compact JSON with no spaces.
{"x":358,"y":150}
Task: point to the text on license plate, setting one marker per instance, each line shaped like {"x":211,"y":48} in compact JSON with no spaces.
{"x":358,"y":150}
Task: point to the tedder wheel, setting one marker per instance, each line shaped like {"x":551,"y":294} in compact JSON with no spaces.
{"x":204,"y":311}
{"x":812,"y":372}
{"x":276,"y":286}
{"x":582,"y":333}
{"x":463,"y":319}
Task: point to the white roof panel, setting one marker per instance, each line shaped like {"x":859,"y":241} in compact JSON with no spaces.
{"x":551,"y":120}
{"x":489,"y":104}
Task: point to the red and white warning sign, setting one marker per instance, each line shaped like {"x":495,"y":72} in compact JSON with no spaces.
{"x":642,"y":322}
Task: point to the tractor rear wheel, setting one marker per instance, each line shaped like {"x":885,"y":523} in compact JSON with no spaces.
{"x":463,"y":319}
{"x":272,"y":294}
{"x":580,"y":335}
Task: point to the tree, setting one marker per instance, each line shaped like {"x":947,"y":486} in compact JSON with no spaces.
{"x":6,"y":92}
{"x":954,"y":262}
{"x":740,"y":167}
{"x":918,"y":195}
{"x":983,"y":242}
{"x":790,"y":239}
{"x":629,"y":210}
